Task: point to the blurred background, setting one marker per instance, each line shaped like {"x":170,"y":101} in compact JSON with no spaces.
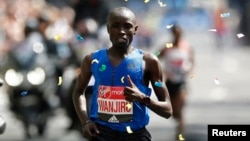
{"x":42,"y":43}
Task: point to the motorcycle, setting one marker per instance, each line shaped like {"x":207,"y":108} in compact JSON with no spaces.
{"x":31,"y":85}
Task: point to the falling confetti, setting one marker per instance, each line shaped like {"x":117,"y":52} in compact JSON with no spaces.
{"x":225,"y":15}
{"x":157,"y":53}
{"x":95,"y":61}
{"x":59,"y":81}
{"x":129,"y":105}
{"x":240,"y":35}
{"x":161,"y":4}
{"x":181,"y":138}
{"x":122,"y":79}
{"x":192,"y":76}
{"x":216,"y":81}
{"x":169,"y":26}
{"x":158,"y":84}
{"x":102,"y":68}
{"x":23,"y":93}
{"x":58,"y":37}
{"x":169,"y":45}
{"x":79,"y":38}
{"x":213,"y":30}
{"x":129,"y":130}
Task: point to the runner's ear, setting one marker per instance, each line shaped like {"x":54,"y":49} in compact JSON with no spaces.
{"x":131,"y":84}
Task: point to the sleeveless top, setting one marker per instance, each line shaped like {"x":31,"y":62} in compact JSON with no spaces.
{"x":108,"y":105}
{"x":177,"y":62}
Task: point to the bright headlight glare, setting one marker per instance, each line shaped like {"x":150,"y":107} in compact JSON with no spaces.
{"x":36,"y":76}
{"x":13,"y":78}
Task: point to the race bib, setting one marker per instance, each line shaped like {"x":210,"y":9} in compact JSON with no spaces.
{"x":112,"y":106}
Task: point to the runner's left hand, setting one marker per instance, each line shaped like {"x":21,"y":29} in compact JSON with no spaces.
{"x":131,"y":92}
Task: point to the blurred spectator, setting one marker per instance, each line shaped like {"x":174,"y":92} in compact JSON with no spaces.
{"x":96,"y":9}
{"x":219,"y":22}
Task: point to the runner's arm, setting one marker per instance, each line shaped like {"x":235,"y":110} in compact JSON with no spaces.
{"x":162,"y":106}
{"x":78,"y":97}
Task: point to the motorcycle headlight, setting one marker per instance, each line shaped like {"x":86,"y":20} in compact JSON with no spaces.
{"x":36,"y":76}
{"x":13,"y":78}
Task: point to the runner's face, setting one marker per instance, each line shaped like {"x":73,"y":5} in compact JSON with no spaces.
{"x":121,"y":29}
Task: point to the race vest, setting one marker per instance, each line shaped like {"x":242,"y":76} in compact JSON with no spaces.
{"x":108,"y":105}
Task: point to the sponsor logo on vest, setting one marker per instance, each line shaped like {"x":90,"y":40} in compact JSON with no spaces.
{"x":104,"y":92}
{"x":112,"y":103}
{"x":113,"y":119}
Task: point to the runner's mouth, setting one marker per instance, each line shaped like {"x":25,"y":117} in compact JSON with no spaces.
{"x":122,"y":40}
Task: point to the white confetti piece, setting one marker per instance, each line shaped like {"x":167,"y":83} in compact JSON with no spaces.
{"x":59,"y":80}
{"x":169,"y":45}
{"x":129,"y":130}
{"x":169,"y":26}
{"x":216,"y":81}
{"x":240,"y":35}
{"x":161,"y":4}
{"x":213,"y":30}
{"x":225,"y":15}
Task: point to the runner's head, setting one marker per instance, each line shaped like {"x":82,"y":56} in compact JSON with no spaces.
{"x":121,"y":27}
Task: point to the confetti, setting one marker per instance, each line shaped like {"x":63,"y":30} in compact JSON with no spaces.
{"x":59,"y":81}
{"x":95,"y":60}
{"x":161,"y":4}
{"x":213,"y":30}
{"x":240,"y":35}
{"x":23,"y":93}
{"x":225,"y":15}
{"x":169,"y":26}
{"x":129,"y":130}
{"x":129,"y":105}
{"x":102,"y":68}
{"x":169,"y":45}
{"x":122,"y":79}
{"x":181,"y":138}
{"x":157,"y":53}
{"x":58,"y":37}
{"x":158,"y":84}
{"x":192,"y":76}
{"x":79,"y":38}
{"x":216,"y":81}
